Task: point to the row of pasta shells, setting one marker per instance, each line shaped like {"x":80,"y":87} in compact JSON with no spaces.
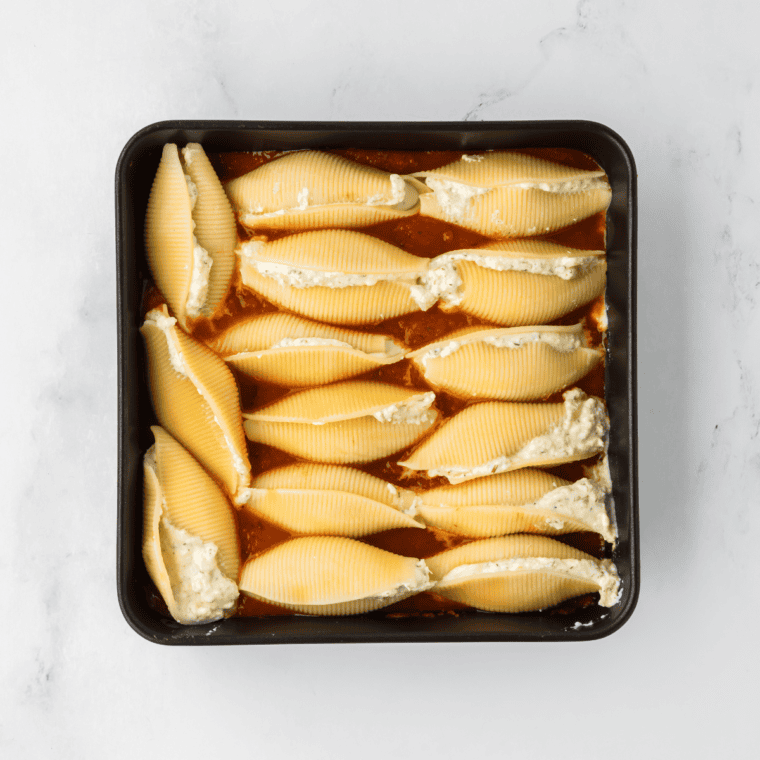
{"x":326,"y":499}
{"x":190,"y":231}
{"x":350,"y":278}
{"x":357,"y":421}
{"x":196,"y":399}
{"x":328,"y":575}
{"x":192,"y":553}
{"x":509,"y":364}
{"x":498,"y":194}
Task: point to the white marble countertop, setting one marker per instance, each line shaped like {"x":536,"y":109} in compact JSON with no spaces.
{"x":679,"y":81}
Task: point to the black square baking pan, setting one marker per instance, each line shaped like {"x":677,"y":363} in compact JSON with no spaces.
{"x":135,"y":170}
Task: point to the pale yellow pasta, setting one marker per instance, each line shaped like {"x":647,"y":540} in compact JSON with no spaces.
{"x":508,"y":364}
{"x":327,"y":575}
{"x":190,"y":233}
{"x":196,"y":399}
{"x":337,"y":276}
{"x":180,"y":496}
{"x":331,"y":477}
{"x":521,"y":501}
{"x":284,"y":349}
{"x":323,"y":512}
{"x":304,"y":190}
{"x":521,"y":574}
{"x":506,"y":194}
{"x":517,"y":282}
{"x":351,"y":421}
{"x":492,"y":437}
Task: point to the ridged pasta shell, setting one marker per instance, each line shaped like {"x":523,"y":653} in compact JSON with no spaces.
{"x":330,"y":513}
{"x":331,"y":477}
{"x":523,"y":501}
{"x":493,"y":436}
{"x":517,"y":282}
{"x":189,"y":537}
{"x":350,"y":421}
{"x":508,"y":194}
{"x":332,"y":500}
{"x":306,"y":190}
{"x":190,"y":233}
{"x":521,"y":574}
{"x":509,"y":364}
{"x":337,"y":276}
{"x":494,"y":549}
{"x":196,"y":400}
{"x":327,"y":575}
{"x":287,"y":350}
{"x":215,"y":226}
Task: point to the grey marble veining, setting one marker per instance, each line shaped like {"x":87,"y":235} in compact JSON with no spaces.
{"x":679,"y":81}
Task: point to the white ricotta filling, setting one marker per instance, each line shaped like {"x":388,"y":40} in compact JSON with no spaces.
{"x":404,"y":500}
{"x":472,"y":159}
{"x":398,"y":193}
{"x":602,"y":572}
{"x":196,"y":297}
{"x":580,"y":434}
{"x":412,"y":411}
{"x":585,"y":501}
{"x":420,"y":582}
{"x":443,"y":280}
{"x":192,"y":188}
{"x":403,"y":196}
{"x":300,"y":342}
{"x":559,"y":341}
{"x":287,"y":275}
{"x":440,"y":352}
{"x":600,"y":472}
{"x":454,"y":198}
{"x":242,"y":493}
{"x":567,"y":186}
{"x":202,"y":261}
{"x":201,"y":591}
{"x":563,"y":342}
{"x":166,"y":325}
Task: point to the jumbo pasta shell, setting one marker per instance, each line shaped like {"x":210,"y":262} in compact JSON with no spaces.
{"x":263,"y":331}
{"x":337,"y":276}
{"x":509,"y":364}
{"x":300,"y":366}
{"x":326,"y":575}
{"x":494,"y":549}
{"x":347,"y":306}
{"x":329,"y":499}
{"x":190,"y":542}
{"x":322,"y":512}
{"x":190,"y":233}
{"x":350,"y":421}
{"x":330,"y":477}
{"x":522,"y":501}
{"x":492,"y":437}
{"x":215,"y":227}
{"x":517,"y":282}
{"x":196,"y":400}
{"x":169,"y":232}
{"x":503,"y":168}
{"x":513,"y":195}
{"x":287,"y":350}
{"x":305,"y":190}
{"x":522,"y":574}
